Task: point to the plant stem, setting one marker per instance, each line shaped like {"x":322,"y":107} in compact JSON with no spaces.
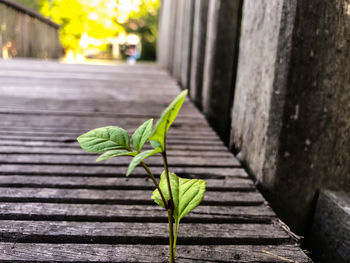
{"x":155,"y":183}
{"x":171,"y":208}
{"x":171,"y":201}
{"x":171,"y":237}
{"x":177,"y":221}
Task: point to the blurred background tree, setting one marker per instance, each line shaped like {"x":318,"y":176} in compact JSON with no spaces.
{"x":142,"y":20}
{"x":102,"y":25}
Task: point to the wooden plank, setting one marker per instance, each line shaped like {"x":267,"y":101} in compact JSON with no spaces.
{"x":78,"y":151}
{"x":86,"y":123}
{"x":89,"y":160}
{"x":58,"y":195}
{"x":53,"y":137}
{"x":226,"y":184}
{"x":139,"y":115}
{"x":24,"y":252}
{"x":139,"y":233}
{"x":173,"y":135}
{"x":126,"y":106}
{"x":53,"y":131}
{"x":69,"y":143}
{"x":132,"y":213}
{"x":110,"y":171}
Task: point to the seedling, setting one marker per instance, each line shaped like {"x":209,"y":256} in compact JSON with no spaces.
{"x":177,"y":195}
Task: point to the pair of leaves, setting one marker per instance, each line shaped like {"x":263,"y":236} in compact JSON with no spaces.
{"x":115,"y":141}
{"x":187,"y":195}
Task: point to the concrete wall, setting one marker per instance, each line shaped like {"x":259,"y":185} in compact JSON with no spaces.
{"x":25,"y":33}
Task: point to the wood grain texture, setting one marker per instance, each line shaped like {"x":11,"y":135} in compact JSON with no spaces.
{"x":179,"y":161}
{"x":103,"y":171}
{"x":17,"y":252}
{"x":58,"y":205}
{"x":117,"y":183}
{"x":132,"y":213}
{"x":136,"y":233}
{"x":59,"y":195}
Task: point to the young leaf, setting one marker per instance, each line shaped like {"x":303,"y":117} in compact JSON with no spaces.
{"x":167,"y":118}
{"x":156,"y":144}
{"x":139,"y":158}
{"x":187,"y":193}
{"x":115,"y":153}
{"x":141,"y":135}
{"x":104,"y":139}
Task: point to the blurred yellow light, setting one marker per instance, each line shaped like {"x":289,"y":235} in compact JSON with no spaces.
{"x":93,"y":16}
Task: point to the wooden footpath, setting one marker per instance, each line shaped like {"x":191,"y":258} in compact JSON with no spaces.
{"x":58,"y":205}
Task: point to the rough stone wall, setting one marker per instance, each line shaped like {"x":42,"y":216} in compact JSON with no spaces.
{"x":178,"y":39}
{"x":330,"y":233}
{"x":291,"y":110}
{"x":164,"y":27}
{"x":217,"y":92}
{"x":315,"y":139}
{"x":187,"y":43}
{"x":198,"y":50}
{"x":255,"y":85}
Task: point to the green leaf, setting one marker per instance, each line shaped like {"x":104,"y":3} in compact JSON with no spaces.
{"x":140,"y":157}
{"x":156,"y":144}
{"x":115,"y":153}
{"x":167,"y":118}
{"x":104,"y":139}
{"x":141,"y":135}
{"x":187,"y":193}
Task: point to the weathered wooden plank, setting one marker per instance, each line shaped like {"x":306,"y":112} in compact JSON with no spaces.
{"x":89,"y":160}
{"x":59,"y":195}
{"x":20,"y":64}
{"x":71,"y":131}
{"x":125,"y":106}
{"x":139,"y":233}
{"x":108,"y":171}
{"x":140,"y":115}
{"x":173,"y":135}
{"x":24,"y":252}
{"x":72,"y":144}
{"x":78,"y":151}
{"x":132,"y":213}
{"x":87,"y":123}
{"x":226,"y":184}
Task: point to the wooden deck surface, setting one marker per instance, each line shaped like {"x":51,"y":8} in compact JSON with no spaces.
{"x":58,"y":205}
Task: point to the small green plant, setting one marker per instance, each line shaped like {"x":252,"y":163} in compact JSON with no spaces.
{"x":177,"y":195}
